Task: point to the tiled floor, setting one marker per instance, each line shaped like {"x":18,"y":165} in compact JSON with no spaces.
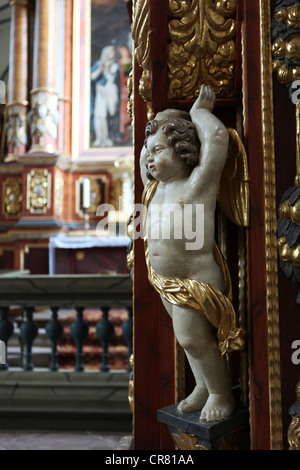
{"x":60,"y":440}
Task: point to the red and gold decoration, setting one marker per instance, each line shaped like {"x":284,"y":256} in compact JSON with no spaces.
{"x":12,"y":196}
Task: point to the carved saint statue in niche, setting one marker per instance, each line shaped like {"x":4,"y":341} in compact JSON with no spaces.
{"x":181,"y":163}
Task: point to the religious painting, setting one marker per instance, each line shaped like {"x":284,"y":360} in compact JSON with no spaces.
{"x":111,"y":58}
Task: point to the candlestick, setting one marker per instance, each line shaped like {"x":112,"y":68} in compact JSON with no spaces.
{"x":86,"y":193}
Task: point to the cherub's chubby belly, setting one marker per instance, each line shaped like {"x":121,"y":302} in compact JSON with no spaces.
{"x":172,"y":260}
{"x":181,"y":244}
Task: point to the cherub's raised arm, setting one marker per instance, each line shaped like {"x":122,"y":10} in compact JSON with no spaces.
{"x":207,"y":124}
{"x":213,"y":136}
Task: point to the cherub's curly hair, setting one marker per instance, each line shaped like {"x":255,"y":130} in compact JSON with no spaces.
{"x":181,"y":135}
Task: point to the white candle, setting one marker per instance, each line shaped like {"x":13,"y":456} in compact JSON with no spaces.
{"x":86,"y":193}
{"x":2,"y":353}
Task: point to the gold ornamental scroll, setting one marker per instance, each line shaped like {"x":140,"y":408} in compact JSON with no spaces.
{"x":142,"y":50}
{"x":285,"y":47}
{"x":202,"y":47}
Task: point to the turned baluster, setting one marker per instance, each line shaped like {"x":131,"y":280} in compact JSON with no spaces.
{"x":54,"y":331}
{"x":6,"y":331}
{"x":79,"y":330}
{"x":105,"y":332}
{"x":127,"y":332}
{"x":28,"y":332}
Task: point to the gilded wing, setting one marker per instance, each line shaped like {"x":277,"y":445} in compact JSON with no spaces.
{"x":233,"y":195}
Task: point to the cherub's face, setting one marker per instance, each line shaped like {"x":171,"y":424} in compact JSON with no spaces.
{"x":162,"y":162}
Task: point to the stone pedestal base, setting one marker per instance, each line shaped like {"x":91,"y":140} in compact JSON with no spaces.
{"x":188,"y":433}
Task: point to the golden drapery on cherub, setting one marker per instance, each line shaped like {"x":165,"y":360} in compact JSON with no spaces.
{"x":208,"y":299}
{"x":193,"y":159}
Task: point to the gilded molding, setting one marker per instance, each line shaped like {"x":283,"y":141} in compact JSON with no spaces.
{"x":202,"y":47}
{"x":142,"y":50}
{"x":130,"y":94}
{"x":12,"y":196}
{"x":270,"y":230}
{"x":38,"y":191}
{"x":131,"y":386}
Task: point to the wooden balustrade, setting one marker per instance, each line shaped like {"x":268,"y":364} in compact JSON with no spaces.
{"x":63,"y":291}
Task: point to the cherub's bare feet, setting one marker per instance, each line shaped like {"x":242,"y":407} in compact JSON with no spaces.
{"x":217,"y":407}
{"x":195,"y":401}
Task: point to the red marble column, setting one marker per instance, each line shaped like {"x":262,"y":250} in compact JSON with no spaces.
{"x":44,"y":99}
{"x":65,"y":95}
{"x":18,"y":80}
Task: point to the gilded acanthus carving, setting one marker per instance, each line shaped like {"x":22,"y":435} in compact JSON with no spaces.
{"x":185,"y":441}
{"x":294,"y":434}
{"x":286,"y":41}
{"x":286,"y":64}
{"x":289,"y":235}
{"x":38,"y":191}
{"x":12,"y":196}
{"x":289,"y":222}
{"x":294,"y":428}
{"x":142,"y":52}
{"x":202,"y":47}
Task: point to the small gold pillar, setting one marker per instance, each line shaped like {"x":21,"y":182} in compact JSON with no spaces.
{"x":44,"y":99}
{"x":18,"y":80}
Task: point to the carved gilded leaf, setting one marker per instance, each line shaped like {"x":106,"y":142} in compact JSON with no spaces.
{"x":286,"y":42}
{"x":186,"y":441}
{"x":12,"y":196}
{"x":202,"y":47}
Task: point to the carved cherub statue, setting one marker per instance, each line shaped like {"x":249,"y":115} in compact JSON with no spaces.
{"x":181,"y":166}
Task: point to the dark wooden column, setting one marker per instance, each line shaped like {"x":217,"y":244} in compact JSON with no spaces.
{"x":263,"y":314}
{"x":154,"y":378}
{"x":154,"y":344}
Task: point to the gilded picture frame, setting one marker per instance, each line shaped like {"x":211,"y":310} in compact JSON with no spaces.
{"x":102,"y":51}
